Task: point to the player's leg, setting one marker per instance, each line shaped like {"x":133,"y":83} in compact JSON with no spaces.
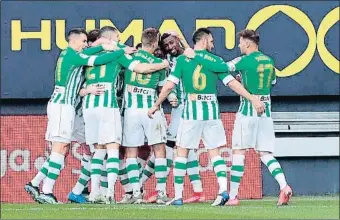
{"x":213,"y":138}
{"x":243,"y":138}
{"x":149,"y":169}
{"x":133,"y":136}
{"x":76,"y":194}
{"x":195,"y":178}
{"x":79,"y":136}
{"x":92,"y":136}
{"x":188,"y":137}
{"x":124,"y":179}
{"x":103,"y":178}
{"x":155,"y":132}
{"x":265,"y":145}
{"x":32,"y":187}
{"x":143,"y":155}
{"x":111,"y":135}
{"x":59,"y":132}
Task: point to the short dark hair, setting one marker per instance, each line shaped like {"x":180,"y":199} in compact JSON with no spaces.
{"x":93,"y":35}
{"x":161,"y":42}
{"x":139,"y":45}
{"x":199,"y":33}
{"x":250,"y":35}
{"x":105,"y":29}
{"x":77,"y":31}
{"x":150,"y":36}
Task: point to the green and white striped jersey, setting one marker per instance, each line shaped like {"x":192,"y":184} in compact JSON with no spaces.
{"x":68,"y":72}
{"x":258,"y":76}
{"x":178,"y":90}
{"x":140,"y":89}
{"x":68,"y":76}
{"x":200,"y":86}
{"x":106,"y":75}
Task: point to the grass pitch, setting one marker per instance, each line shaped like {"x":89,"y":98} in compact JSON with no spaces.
{"x":326,"y":207}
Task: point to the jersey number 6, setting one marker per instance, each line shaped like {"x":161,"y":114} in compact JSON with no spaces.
{"x":199,"y":79}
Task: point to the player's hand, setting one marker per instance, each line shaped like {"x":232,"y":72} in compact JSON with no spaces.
{"x":259,"y":106}
{"x":100,"y":41}
{"x":166,"y":63}
{"x":238,"y":77}
{"x":189,"y":52}
{"x":152,"y":111}
{"x":95,"y":90}
{"x":173,"y":100}
{"x":130,"y":50}
{"x":173,"y":33}
{"x":110,"y":47}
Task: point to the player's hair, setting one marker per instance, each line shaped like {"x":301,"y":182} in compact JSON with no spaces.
{"x":250,"y":35}
{"x":139,"y":46}
{"x":106,"y":29}
{"x":76,"y":31}
{"x":93,"y":35}
{"x":161,"y":42}
{"x":199,"y":33}
{"x":159,"y":53}
{"x":150,"y":36}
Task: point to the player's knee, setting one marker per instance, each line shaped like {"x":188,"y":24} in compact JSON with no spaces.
{"x":171,"y":144}
{"x":159,"y":150}
{"x":99,"y":146}
{"x":112,"y":146}
{"x":131,"y":152}
{"x":182,"y":152}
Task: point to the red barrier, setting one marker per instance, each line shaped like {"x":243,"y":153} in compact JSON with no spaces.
{"x":23,"y":151}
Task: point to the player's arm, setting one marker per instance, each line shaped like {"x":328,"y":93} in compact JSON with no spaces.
{"x":81,"y":59}
{"x":172,"y":80}
{"x":93,"y":50}
{"x":274,"y":74}
{"x":143,"y":68}
{"x":91,"y":89}
{"x":172,"y":98}
{"x":237,"y":87}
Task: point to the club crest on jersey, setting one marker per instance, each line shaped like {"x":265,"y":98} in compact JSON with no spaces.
{"x":202,"y":97}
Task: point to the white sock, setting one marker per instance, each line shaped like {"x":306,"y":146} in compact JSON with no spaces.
{"x":160,"y":174}
{"x":179,"y":173}
{"x":55,"y":165}
{"x":133,"y":174}
{"x":112,"y":166}
{"x":41,"y":175}
{"x":236,"y":174}
{"x":220,"y":169}
{"x":275,"y":169}
{"x":96,"y":170}
{"x":193,"y":171}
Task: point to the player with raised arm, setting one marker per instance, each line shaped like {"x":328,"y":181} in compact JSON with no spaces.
{"x":173,"y":46}
{"x":253,"y":130}
{"x":201,"y":116}
{"x":102,"y":116}
{"x":61,"y":107}
{"x":140,"y":94}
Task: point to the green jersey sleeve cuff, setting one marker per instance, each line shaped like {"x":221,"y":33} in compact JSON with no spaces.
{"x":162,"y":83}
{"x":91,"y":60}
{"x":133,"y":65}
{"x":173,"y":79}
{"x":274,"y":82}
{"x":227,"y":79}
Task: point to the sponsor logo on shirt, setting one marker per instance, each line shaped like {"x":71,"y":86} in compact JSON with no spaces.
{"x":140,"y":90}
{"x":202,"y":97}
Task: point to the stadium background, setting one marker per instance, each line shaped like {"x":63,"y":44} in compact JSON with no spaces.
{"x":294,"y":37}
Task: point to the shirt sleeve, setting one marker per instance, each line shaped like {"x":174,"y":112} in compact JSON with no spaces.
{"x":128,"y":62}
{"x":225,"y":77}
{"x":162,"y":79}
{"x":81,"y":59}
{"x":176,"y":72}
{"x":93,"y":50}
